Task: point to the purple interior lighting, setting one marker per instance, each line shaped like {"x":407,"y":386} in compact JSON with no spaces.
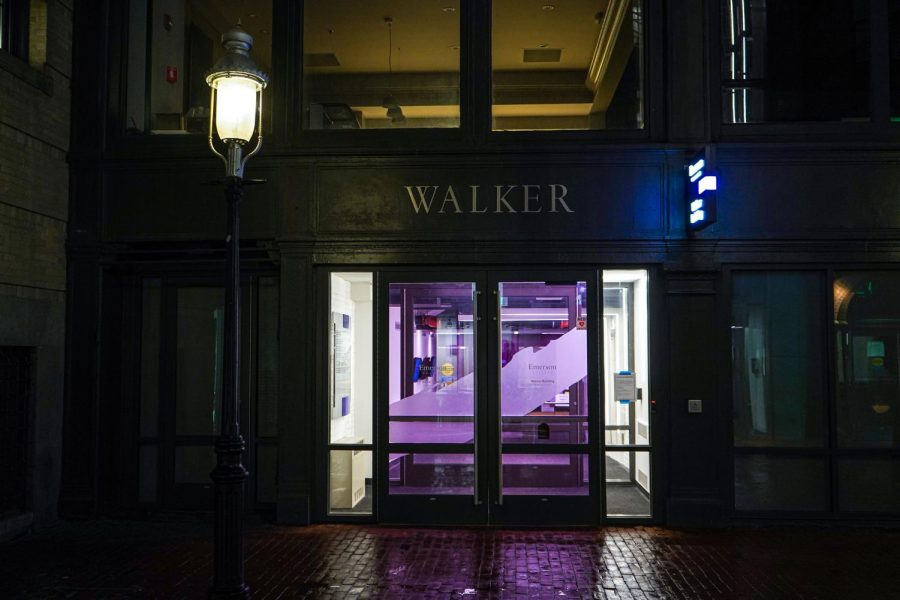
{"x":543,"y":380}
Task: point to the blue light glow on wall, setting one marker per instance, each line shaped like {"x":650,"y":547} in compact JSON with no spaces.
{"x":701,"y":193}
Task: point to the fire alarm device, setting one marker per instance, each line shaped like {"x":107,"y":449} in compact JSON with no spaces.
{"x":171,"y":74}
{"x":168,"y":22}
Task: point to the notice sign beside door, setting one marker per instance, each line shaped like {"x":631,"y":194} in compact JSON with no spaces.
{"x":625,"y":389}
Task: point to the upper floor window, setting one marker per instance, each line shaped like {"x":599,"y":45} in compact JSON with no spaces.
{"x":167,"y":90}
{"x":14,"y":27}
{"x":784,"y":60}
{"x":383,"y":64}
{"x":894,"y":32}
{"x":567,"y":64}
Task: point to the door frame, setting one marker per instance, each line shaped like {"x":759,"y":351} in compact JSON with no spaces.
{"x":488,"y":506}
{"x":425,"y":509}
{"x":520,"y":510}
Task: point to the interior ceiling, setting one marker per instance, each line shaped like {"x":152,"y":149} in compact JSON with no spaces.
{"x":425,"y":36}
{"x":426,"y":33}
{"x":520,"y":24}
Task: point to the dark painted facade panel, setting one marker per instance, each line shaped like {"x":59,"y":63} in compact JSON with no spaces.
{"x":494,"y":200}
{"x":822,"y":197}
{"x":178,"y":202}
{"x":694,"y":452}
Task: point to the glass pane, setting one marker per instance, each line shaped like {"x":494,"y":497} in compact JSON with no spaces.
{"x":150,"y":358}
{"x":867,"y":323}
{"x":4,"y":25}
{"x":267,"y":365}
{"x":778,"y":359}
{"x":626,"y":361}
{"x":380,"y":64}
{"x":350,"y":358}
{"x":782,"y":60}
{"x":431,"y":368}
{"x":567,"y":64}
{"x":546,"y":474}
{"x":184,"y":38}
{"x":266,"y":473}
{"x":894,"y":25}
{"x":193,"y":464}
{"x":543,"y":359}
{"x":350,"y":482}
{"x":869,"y":485}
{"x":198,"y":379}
{"x":148,"y":460}
{"x":431,"y":474}
{"x":778,"y":483}
{"x":628,"y":484}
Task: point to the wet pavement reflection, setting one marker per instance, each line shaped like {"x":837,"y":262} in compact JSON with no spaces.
{"x":116,"y":559}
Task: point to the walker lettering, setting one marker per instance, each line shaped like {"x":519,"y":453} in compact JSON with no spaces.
{"x":502,"y":199}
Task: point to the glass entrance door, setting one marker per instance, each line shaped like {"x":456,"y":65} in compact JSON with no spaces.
{"x":486,"y":399}
{"x":430,"y":467}
{"x":541,"y":397}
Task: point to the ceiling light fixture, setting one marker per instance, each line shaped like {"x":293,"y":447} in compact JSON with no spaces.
{"x":394,"y":112}
{"x":548,"y":7}
{"x":449,"y":9}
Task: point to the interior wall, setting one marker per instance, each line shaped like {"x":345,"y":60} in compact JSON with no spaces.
{"x":136,"y":95}
{"x":168,"y":50}
{"x":354,"y":299}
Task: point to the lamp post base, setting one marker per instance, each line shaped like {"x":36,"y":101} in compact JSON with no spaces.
{"x":228,"y":553}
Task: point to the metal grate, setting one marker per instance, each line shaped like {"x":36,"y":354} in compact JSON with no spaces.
{"x":15,"y":402}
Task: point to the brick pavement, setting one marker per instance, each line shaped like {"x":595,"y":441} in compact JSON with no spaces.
{"x":127,"y":559}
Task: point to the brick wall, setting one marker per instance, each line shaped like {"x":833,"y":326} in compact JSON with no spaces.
{"x":34,"y":183}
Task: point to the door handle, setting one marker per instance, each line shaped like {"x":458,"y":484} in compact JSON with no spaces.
{"x":499,"y":351}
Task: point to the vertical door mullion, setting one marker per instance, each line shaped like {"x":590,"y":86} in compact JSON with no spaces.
{"x":597,"y":423}
{"x":492,"y":401}
{"x":167,"y":364}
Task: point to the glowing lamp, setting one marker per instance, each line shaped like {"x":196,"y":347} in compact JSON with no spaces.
{"x":236,"y":100}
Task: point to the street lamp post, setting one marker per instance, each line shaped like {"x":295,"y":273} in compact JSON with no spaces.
{"x":236,"y":115}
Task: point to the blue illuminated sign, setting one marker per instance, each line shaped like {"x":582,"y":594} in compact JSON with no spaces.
{"x":702,"y":187}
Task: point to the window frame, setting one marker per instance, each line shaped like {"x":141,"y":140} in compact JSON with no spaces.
{"x":15,"y":26}
{"x":879,"y":127}
{"x":653,"y":89}
{"x":831,"y":452}
{"x":474,"y":131}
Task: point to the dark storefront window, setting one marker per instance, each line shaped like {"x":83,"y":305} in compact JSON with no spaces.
{"x":784,"y":60}
{"x":778,"y":347}
{"x":181,"y":360}
{"x":567,"y":64}
{"x":869,"y":484}
{"x":867,"y":327}
{"x":385,"y":64}
{"x":778,"y":391}
{"x":788,"y":458}
{"x":171,"y":45}
{"x":894,"y":33}
{"x":780,"y":483}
